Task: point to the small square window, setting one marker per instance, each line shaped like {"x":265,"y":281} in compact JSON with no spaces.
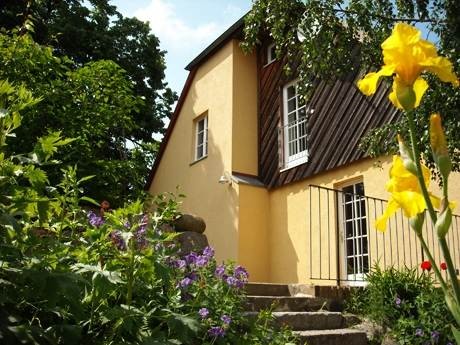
{"x":271,"y":53}
{"x":201,"y":138}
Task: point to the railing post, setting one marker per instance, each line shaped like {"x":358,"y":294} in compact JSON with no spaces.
{"x":337,"y":236}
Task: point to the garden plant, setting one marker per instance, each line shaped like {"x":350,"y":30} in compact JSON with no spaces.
{"x":71,"y":273}
{"x":406,"y":56}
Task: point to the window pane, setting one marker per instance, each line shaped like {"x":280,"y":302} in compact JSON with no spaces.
{"x":359,"y":188}
{"x":272,"y":53}
{"x":199,"y":152}
{"x":290,"y":92}
{"x":200,"y":125}
{"x":302,"y":113}
{"x":350,"y":247}
{"x":200,"y":138}
{"x":291,"y":105}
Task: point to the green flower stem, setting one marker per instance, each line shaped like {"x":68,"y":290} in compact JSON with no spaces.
{"x":129,"y":293}
{"x":436,"y":270}
{"x":450,"y":268}
{"x":416,"y":155}
{"x":432,"y":212}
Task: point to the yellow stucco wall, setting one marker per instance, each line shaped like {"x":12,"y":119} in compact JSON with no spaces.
{"x":225,"y":89}
{"x":211,"y":92}
{"x":253,"y":242}
{"x":244,"y":133}
{"x":293,"y":246}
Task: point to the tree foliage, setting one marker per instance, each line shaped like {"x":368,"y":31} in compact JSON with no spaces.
{"x":336,"y":37}
{"x":94,"y":30}
{"x":91,"y":103}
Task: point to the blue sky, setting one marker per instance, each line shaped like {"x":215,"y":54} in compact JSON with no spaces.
{"x":184,"y":27}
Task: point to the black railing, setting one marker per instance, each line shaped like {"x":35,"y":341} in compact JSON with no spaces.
{"x":344,"y":243}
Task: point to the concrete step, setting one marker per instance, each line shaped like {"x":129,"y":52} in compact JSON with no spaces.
{"x":303,"y":321}
{"x":288,"y":303}
{"x":332,"y":337}
{"x":267,"y":289}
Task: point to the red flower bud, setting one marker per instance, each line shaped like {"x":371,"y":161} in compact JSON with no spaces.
{"x":426,"y":266}
{"x":443,"y":266}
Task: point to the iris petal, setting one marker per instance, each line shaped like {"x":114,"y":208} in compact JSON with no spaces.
{"x":368,"y":85}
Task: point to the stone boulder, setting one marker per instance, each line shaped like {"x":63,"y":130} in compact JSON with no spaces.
{"x":188,"y":222}
{"x":190,"y":241}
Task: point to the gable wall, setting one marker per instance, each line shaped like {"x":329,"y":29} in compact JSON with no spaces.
{"x":211,"y":91}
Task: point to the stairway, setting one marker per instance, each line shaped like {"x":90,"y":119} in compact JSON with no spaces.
{"x":315,"y":320}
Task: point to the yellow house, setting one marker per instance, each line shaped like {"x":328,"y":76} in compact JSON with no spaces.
{"x":282,"y":185}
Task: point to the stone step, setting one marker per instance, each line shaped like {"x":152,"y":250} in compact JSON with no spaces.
{"x":332,"y":337}
{"x":302,"y":321}
{"x":267,"y":289}
{"x":288,"y":303}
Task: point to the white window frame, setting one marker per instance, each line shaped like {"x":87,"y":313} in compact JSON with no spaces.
{"x":270,"y":57}
{"x":204,"y":143}
{"x":300,"y":157}
{"x":356,"y":277}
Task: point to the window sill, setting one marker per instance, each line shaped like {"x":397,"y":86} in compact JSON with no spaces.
{"x":198,"y":160}
{"x":294,"y":164}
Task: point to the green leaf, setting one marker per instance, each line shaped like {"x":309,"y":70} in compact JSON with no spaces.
{"x":456,"y":333}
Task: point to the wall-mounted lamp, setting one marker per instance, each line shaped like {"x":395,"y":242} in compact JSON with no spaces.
{"x":225,"y":178}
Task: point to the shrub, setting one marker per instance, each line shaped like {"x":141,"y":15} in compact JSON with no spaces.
{"x":407,"y":303}
{"x":74,"y":276}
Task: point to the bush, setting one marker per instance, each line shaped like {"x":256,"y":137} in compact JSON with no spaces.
{"x":407,"y":303}
{"x":75,"y":276}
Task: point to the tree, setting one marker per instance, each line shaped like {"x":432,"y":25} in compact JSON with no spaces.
{"x":94,"y":30}
{"x":100,"y":80}
{"x":91,"y":103}
{"x":328,"y":34}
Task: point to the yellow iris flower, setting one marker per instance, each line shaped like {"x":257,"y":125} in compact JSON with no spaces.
{"x":405,"y":193}
{"x":406,"y":56}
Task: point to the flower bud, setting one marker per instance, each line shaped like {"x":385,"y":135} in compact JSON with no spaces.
{"x":444,"y":221}
{"x":439,"y":146}
{"x":406,"y":97}
{"x":417,"y":222}
{"x":406,"y":155}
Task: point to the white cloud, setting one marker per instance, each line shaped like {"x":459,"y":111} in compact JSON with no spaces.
{"x":233,"y":11}
{"x":173,"y":32}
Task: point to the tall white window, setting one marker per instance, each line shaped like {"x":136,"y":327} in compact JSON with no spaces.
{"x":294,"y":127}
{"x":354,"y":222}
{"x":201,"y":138}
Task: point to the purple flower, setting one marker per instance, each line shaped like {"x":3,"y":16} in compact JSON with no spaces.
{"x":190,"y":259}
{"x":216,"y":332}
{"x":241,"y":273}
{"x":127,"y":225}
{"x":193,"y":276}
{"x":208,"y":251}
{"x":220,"y":271}
{"x":201,"y":261}
{"x":95,"y":220}
{"x":226,"y":319}
{"x":204,"y":313}
{"x":180,"y":264}
{"x":185,"y":282}
{"x":232,"y":281}
{"x":398,"y":301}
{"x":419,"y":332}
{"x":435,"y":336}
{"x":118,"y":240}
